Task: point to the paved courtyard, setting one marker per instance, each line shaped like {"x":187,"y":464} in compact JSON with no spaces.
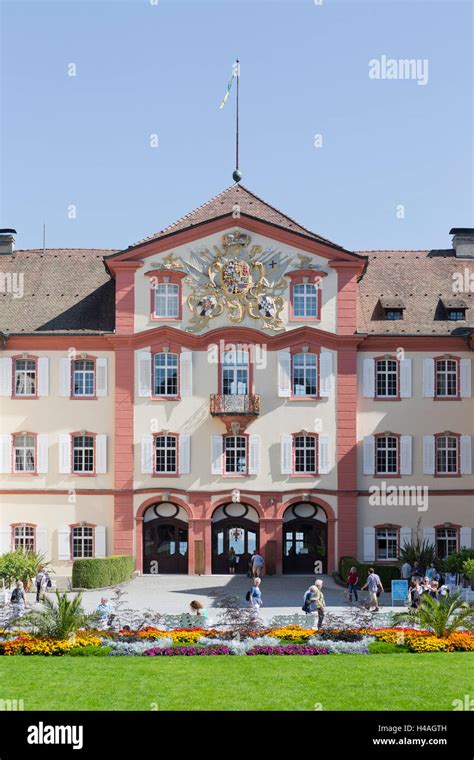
{"x":171,"y":594}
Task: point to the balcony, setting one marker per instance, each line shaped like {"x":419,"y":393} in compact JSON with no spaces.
{"x":234,"y":405}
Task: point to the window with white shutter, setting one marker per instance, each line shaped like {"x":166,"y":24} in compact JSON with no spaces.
{"x":369,"y":455}
{"x":284,"y":374}
{"x":144,"y":374}
{"x":254,"y":454}
{"x":326,"y":374}
{"x":102,"y":380}
{"x":5,"y":376}
{"x":286,"y":454}
{"x":216,"y":454}
{"x":184,"y":454}
{"x":428,"y":378}
{"x":186,"y":373}
{"x":43,"y":376}
{"x":147,"y":454}
{"x":368,"y":378}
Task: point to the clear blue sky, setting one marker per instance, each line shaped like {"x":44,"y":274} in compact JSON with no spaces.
{"x":144,"y":68}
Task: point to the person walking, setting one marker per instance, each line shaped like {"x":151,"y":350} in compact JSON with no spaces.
{"x":405,"y":571}
{"x":373,"y":584}
{"x":352,"y":581}
{"x":320,"y":602}
{"x":41,"y":582}
{"x":18,"y":599}
{"x":232,"y":560}
{"x":254,"y":596}
{"x":309,"y":603}
{"x":257,"y":564}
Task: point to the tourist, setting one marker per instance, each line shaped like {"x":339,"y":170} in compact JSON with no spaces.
{"x":41,"y":581}
{"x":198,"y":609}
{"x":320,"y":602}
{"x":18,"y":599}
{"x":417,"y":571}
{"x":434,"y":590}
{"x":352,"y":581}
{"x":104,"y":611}
{"x":255,"y":595}
{"x":425,"y":586}
{"x":405,"y":571}
{"x":232,"y":560}
{"x":257,"y":564}
{"x":443,"y":590}
{"x":432,"y":573}
{"x":374,"y":584}
{"x":309,"y":603}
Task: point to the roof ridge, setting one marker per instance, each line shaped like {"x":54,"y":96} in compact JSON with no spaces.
{"x":22,"y":250}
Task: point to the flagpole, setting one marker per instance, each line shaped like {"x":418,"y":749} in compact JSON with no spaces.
{"x":237,"y":176}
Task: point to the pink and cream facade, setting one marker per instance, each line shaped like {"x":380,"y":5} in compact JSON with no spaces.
{"x":235,"y":382}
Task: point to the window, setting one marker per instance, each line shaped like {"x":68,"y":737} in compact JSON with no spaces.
{"x":24,"y":453}
{"x":166,"y":301}
{"x":83,"y":453}
{"x":446,"y":378}
{"x":305,"y":453}
{"x":235,"y":449}
{"x":24,"y":538}
{"x":305,"y":300}
{"x":386,"y":455}
{"x":82,"y":542}
{"x":83,"y":377}
{"x":386,"y":542}
{"x":166,"y":459}
{"x":235,"y":373}
{"x":304,"y":380}
{"x":394,"y":314}
{"x":165,"y":374}
{"x":25,"y":377}
{"x":446,"y":542}
{"x":446,"y":455}
{"x":455,"y":315}
{"x":386,"y":378}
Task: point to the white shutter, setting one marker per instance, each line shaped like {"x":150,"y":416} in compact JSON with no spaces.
{"x":5,"y":539}
{"x":369,"y":455}
{"x":144,"y":374}
{"x":5,"y":453}
{"x":41,"y":542}
{"x":65,"y":377}
{"x":6,"y":369}
{"x":147,"y":454}
{"x":465,"y":538}
{"x":254,"y":454}
{"x":64,"y":454}
{"x":101,"y":454}
{"x":326,"y":376}
{"x":429,"y":535}
{"x":64,"y":543}
{"x":324,"y":466}
{"x":42,"y":450}
{"x":43,"y":376}
{"x":405,"y":536}
{"x":405,"y":455}
{"x":216,"y":454}
{"x":101,"y":379}
{"x":466,"y":455}
{"x":465,"y":378}
{"x":428,"y":378}
{"x":405,"y":378}
{"x":286,"y":454}
{"x":284,"y":374}
{"x":369,"y":544}
{"x":186,"y":373}
{"x":184,"y":454}
{"x":368,"y":378}
{"x":100,"y":541}
{"x":428,"y":454}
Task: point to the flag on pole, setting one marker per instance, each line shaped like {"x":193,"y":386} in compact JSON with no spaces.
{"x":235,"y":73}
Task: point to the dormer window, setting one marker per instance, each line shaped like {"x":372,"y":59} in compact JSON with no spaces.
{"x":393,"y":308}
{"x":166,"y":295}
{"x":455,"y":315}
{"x":455,"y":309}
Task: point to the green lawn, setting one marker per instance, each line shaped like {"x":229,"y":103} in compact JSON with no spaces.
{"x":336,"y":682}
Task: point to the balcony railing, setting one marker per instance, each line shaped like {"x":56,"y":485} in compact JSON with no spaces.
{"x":248,"y":404}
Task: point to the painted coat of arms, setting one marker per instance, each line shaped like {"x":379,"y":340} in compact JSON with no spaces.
{"x":236,"y":279}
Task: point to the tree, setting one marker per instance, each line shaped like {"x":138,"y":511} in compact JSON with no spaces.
{"x":468,"y":569}
{"x":60,"y":618}
{"x":442,"y":616}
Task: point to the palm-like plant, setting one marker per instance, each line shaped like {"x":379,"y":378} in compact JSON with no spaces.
{"x":441,"y":616}
{"x":60,"y":618}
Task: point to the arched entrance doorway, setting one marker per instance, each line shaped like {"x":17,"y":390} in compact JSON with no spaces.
{"x":305,"y":538}
{"x":234,"y":526}
{"x":165,"y":539}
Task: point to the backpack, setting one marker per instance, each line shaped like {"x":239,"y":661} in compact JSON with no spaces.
{"x":305,"y":606}
{"x":15,"y":597}
{"x":248,"y":596}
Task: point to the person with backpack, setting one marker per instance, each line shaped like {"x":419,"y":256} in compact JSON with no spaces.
{"x":257,"y":564}
{"x":18,"y":599}
{"x":254,"y":595}
{"x":309,"y":602}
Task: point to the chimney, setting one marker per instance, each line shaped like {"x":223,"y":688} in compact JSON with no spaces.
{"x":7,"y":241}
{"x":463,"y":242}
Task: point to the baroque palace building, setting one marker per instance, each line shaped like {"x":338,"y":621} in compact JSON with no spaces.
{"x":236,"y":381}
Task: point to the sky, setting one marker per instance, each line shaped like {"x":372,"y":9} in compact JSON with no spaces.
{"x":392,"y":167}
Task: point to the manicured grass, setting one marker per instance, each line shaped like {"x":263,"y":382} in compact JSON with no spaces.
{"x":336,"y":682}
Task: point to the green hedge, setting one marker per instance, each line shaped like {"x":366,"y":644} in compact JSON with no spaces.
{"x":107,"y":571}
{"x":387,"y":573}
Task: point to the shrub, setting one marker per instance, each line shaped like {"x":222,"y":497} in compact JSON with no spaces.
{"x":468,"y":569}
{"x":387,"y":573}
{"x":358,"y":646}
{"x":106,"y":571}
{"x":383,"y":647}
{"x":20,"y":566}
{"x":455,"y":562}
{"x":59,"y":619}
{"x":441,"y":616}
{"x":418,"y":551}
